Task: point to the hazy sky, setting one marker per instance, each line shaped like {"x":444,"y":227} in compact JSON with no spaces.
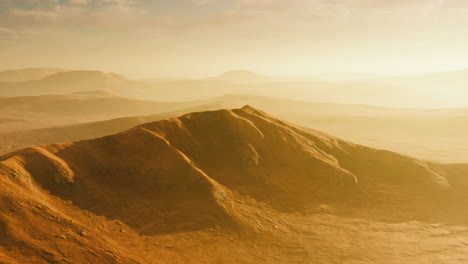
{"x":142,"y":38}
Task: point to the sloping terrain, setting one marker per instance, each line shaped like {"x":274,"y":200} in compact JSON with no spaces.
{"x":228,"y":186}
{"x":10,"y":141}
{"x":85,"y":104}
{"x":30,"y":112}
{"x":433,"y":134}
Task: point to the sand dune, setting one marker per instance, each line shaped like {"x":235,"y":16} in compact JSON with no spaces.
{"x":239,"y":179}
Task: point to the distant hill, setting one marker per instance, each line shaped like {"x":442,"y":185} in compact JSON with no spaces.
{"x":406,"y":91}
{"x":54,"y":110}
{"x":165,"y":79}
{"x":23,"y":75}
{"x":72,"y":82}
{"x":85,"y":104}
{"x":240,"y":76}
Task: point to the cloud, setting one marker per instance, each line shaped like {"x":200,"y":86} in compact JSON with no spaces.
{"x":31,"y":1}
{"x":363,"y":6}
{"x":242,"y":16}
{"x":37,"y":13}
{"x":201,"y":2}
{"x":72,"y":2}
{"x":113,"y":2}
{"x":79,"y":2}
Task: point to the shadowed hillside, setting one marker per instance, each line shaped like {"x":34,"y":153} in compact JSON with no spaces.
{"x":231,"y":178}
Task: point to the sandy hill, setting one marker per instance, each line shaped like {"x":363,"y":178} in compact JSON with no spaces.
{"x":23,"y":75}
{"x":10,"y":141}
{"x":434,"y":134}
{"x":227,"y":186}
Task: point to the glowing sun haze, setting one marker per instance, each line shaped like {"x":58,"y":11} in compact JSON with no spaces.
{"x":143,"y":38}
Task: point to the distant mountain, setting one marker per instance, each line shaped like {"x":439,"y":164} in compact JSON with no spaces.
{"x":72,"y":82}
{"x":406,"y":91}
{"x":23,"y":75}
{"x":240,"y":76}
